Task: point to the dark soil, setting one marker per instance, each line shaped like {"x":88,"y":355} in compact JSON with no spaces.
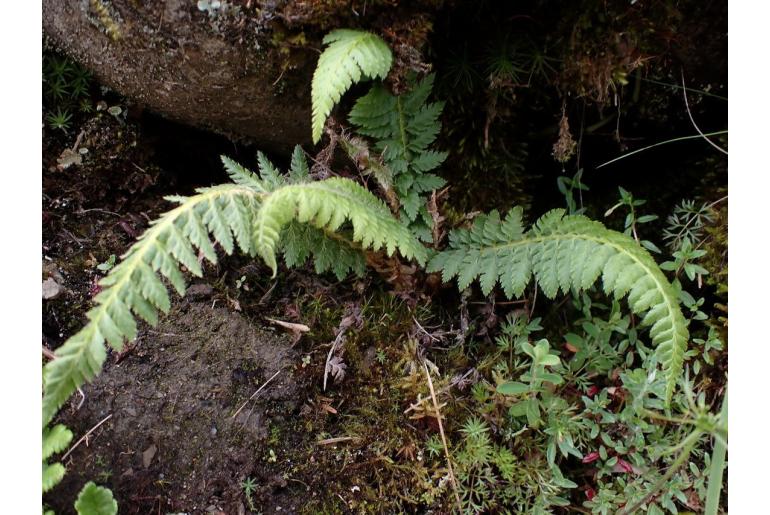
{"x":172,"y":443}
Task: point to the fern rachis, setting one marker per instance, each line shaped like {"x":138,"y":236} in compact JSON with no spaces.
{"x":566,"y":253}
{"x":253,"y":213}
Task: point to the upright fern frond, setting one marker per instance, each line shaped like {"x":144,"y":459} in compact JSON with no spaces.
{"x":404,"y":127}
{"x":254,"y":214}
{"x":351,"y":56}
{"x":569,"y":253}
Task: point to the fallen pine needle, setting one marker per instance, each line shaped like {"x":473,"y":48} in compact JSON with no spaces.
{"x":255,"y":394}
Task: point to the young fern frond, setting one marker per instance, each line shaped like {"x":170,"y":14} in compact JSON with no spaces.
{"x":569,"y":253}
{"x":404,"y":127}
{"x":254,"y":214}
{"x":351,"y":56}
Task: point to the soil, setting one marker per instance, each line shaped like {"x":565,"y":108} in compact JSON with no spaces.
{"x":171,"y":443}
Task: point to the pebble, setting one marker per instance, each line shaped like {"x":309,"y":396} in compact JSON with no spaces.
{"x":51,"y":289}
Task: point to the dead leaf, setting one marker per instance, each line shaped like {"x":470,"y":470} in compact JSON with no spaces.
{"x":68,"y":158}
{"x":291,"y":326}
{"x":148,"y":455}
{"x":336,"y":367}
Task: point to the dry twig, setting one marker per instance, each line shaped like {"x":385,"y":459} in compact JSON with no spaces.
{"x":443,"y":441}
{"x":85,"y":436}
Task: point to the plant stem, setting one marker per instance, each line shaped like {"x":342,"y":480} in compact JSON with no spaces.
{"x":717,"y":468}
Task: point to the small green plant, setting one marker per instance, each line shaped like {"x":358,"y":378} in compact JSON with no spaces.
{"x":249,"y":486}
{"x":687,"y":222}
{"x":59,"y":120}
{"x":633,"y":220}
{"x":107,"y":265}
{"x":93,"y":499}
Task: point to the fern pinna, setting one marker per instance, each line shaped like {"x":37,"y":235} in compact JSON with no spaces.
{"x":350,"y":56}
{"x":565,"y":253}
{"x":404,"y":127}
{"x":262,"y":214}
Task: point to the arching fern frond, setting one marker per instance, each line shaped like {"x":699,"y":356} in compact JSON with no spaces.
{"x":569,"y":253}
{"x":254,"y":214}
{"x":350,"y":56}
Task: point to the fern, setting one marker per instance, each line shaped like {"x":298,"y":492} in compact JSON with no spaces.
{"x":565,"y":253}
{"x":55,"y":440}
{"x":351,"y":56}
{"x":404,"y":127}
{"x":254,"y":213}
{"x":95,"y":500}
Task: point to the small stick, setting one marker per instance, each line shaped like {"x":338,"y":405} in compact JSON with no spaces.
{"x":443,"y":441}
{"x":105,"y":419}
{"x":330,"y":441}
{"x":255,"y":393}
{"x":424,"y":331}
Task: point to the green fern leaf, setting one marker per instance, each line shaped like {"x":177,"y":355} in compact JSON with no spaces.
{"x":351,"y":56}
{"x":55,"y":439}
{"x":134,"y":287}
{"x":95,"y":500}
{"x":565,"y":253}
{"x":52,"y":475}
{"x":255,"y":213}
{"x":329,"y":253}
{"x":327,"y":205}
{"x":404,"y":128}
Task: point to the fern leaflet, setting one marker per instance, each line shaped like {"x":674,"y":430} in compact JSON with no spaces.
{"x":55,"y":439}
{"x":255,"y":214}
{"x":351,"y":56}
{"x":565,"y":253}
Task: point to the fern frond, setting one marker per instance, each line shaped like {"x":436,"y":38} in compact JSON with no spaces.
{"x":351,"y":56}
{"x":252,"y":214}
{"x":330,"y":254}
{"x":566,"y":253}
{"x":404,"y":128}
{"x":327,"y":205}
{"x":134,"y":286}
